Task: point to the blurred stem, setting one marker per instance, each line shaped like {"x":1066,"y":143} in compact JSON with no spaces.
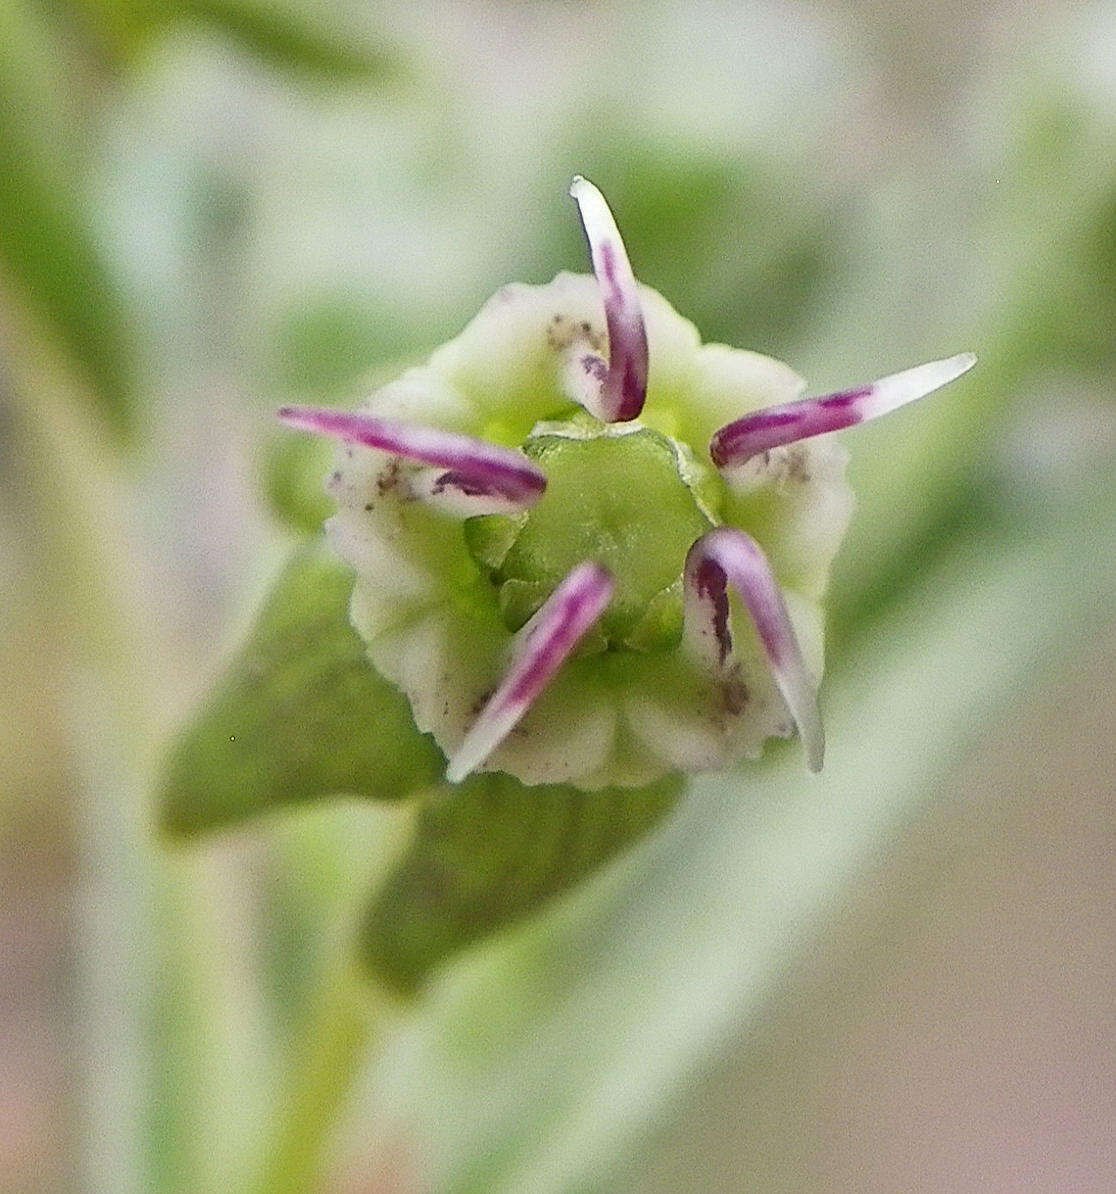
{"x":142,"y":1114}
{"x":345,"y":1024}
{"x":105,"y":696}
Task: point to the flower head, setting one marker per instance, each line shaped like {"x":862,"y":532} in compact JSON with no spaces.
{"x":590,"y":549}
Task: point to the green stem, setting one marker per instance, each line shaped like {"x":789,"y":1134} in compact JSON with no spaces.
{"x":345,"y":1024}
{"x":346,"y":1017}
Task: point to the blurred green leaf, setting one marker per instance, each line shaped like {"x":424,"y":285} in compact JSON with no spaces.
{"x":294,"y":472}
{"x":329,"y":340}
{"x":489,"y":852}
{"x":1061,"y":213}
{"x":586,"y":1028}
{"x":288,"y":37}
{"x":49,"y":256}
{"x":742,"y":243}
{"x":34,"y":78}
{"x":301,"y":713}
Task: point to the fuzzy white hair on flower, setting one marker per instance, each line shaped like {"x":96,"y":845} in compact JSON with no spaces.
{"x":589,"y":548}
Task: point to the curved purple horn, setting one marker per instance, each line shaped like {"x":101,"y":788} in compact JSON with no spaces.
{"x":473,"y":465}
{"x":727,"y":556}
{"x":620,"y":395}
{"x":544,"y":645}
{"x":778,"y":425}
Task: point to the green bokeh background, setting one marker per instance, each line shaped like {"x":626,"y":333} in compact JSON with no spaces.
{"x":897,"y":976}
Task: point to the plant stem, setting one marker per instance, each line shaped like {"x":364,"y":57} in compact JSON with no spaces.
{"x":346,"y":1021}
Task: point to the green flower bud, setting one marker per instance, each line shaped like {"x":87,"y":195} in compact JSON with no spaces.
{"x":590,"y":549}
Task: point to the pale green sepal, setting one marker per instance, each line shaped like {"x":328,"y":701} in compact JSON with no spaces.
{"x":520,"y":600}
{"x":489,"y":852}
{"x":660,"y":628}
{"x":489,"y":537}
{"x":300,"y":713}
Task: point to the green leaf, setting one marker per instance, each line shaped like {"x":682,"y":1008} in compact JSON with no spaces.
{"x":301,"y":713}
{"x":285,"y":37}
{"x":49,"y":257}
{"x":487,"y":853}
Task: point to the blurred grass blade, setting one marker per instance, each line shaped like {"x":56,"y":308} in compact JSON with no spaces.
{"x":301,"y":713}
{"x":50,"y":261}
{"x":486,"y":854}
{"x":292,"y":38}
{"x":625,"y":997}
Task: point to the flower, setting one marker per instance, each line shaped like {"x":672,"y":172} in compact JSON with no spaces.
{"x":590,"y":549}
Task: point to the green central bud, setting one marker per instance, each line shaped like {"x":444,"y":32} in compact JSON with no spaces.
{"x":632,"y":500}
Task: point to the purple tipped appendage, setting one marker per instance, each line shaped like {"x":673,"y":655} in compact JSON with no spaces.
{"x":779,"y":425}
{"x":620,"y":395}
{"x":544,"y":645}
{"x":474,"y":466}
{"x":727,"y":556}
